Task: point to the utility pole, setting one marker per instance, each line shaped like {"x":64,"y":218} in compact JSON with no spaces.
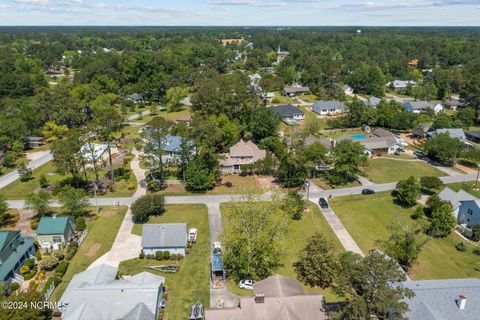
{"x":95,"y":194}
{"x":478,"y":173}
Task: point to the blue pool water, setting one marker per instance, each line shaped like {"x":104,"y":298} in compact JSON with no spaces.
{"x":359,"y":136}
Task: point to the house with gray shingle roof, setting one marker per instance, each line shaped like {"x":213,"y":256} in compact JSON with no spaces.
{"x":451,"y":299}
{"x":401,"y":85}
{"x":96,"y":294}
{"x":372,"y":101}
{"x":452,"y":132}
{"x":295,"y":90}
{"x":328,"y":108}
{"x":466,"y":207}
{"x":136,"y":98}
{"x":289,"y":112}
{"x":276,"y":298}
{"x":419,"y":106}
{"x":171,"y":237}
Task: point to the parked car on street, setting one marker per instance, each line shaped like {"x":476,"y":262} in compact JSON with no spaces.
{"x":246,"y":284}
{"x":323,"y":203}
{"x":368,"y":191}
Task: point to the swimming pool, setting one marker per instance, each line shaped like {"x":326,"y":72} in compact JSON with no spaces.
{"x":359,"y":136}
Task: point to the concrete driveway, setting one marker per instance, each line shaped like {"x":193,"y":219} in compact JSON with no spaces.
{"x":342,"y":234}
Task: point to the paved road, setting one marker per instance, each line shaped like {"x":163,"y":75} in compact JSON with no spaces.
{"x":342,"y":234}
{"x":136,"y":116}
{"x":10,"y":177}
{"x":208,"y":199}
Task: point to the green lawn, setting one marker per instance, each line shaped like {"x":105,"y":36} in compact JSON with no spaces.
{"x":468,"y":186}
{"x":101,"y":234}
{"x":281,"y":99}
{"x":240,"y":185}
{"x":292,"y":242}
{"x":333,"y":134}
{"x":19,"y":190}
{"x":322,"y":183}
{"x":192,"y":282}
{"x":367,"y":217}
{"x":381,"y":170}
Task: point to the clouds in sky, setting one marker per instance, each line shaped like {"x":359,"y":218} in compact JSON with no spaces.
{"x":240,"y":12}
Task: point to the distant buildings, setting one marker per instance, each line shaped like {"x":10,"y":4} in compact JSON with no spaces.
{"x":401,"y":85}
{"x":96,"y":293}
{"x":242,"y":153}
{"x":328,"y":108}
{"x":452,"y":132}
{"x":419,"y":106}
{"x":281,"y":55}
{"x":236,"y":41}
{"x":136,"y":98}
{"x":289,"y":112}
{"x":295,"y":90}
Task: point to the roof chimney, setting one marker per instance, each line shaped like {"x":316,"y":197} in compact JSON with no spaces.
{"x":462,"y":302}
{"x":259,"y":298}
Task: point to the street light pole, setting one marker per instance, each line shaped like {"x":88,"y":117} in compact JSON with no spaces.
{"x":478,"y":173}
{"x":95,"y":194}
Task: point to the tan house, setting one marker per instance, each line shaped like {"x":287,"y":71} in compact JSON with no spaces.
{"x":243,"y":152}
{"x":276,"y":298}
{"x":54,"y":232}
{"x":237,"y":41}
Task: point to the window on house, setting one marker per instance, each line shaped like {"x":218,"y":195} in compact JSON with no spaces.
{"x":470,"y":211}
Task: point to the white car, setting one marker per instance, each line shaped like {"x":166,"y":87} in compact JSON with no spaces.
{"x":192,"y":235}
{"x":246,"y":284}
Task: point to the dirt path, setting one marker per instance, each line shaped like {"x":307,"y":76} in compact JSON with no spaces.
{"x":23,"y":223}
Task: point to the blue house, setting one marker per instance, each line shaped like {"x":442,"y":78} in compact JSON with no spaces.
{"x":14,"y":250}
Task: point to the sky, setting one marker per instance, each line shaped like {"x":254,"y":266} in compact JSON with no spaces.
{"x":241,"y":12}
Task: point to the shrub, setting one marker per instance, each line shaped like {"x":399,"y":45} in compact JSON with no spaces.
{"x":30,"y":274}
{"x":146,"y":206}
{"x":49,"y":282}
{"x":59,"y":255}
{"x":61,"y":269}
{"x":476,"y":251}
{"x":460,"y":247}
{"x":418,"y":213}
{"x":14,"y":286}
{"x":80,"y":224}
{"x":49,"y":263}
{"x":71,"y":251}
{"x":158,"y":255}
{"x":30,"y":263}
{"x":228,"y":184}
{"x":130,"y":186}
{"x":42,"y":181}
{"x":166,"y":255}
{"x":467,"y":163}
{"x":476,"y":232}
{"x":38,"y":255}
{"x":141,"y":255}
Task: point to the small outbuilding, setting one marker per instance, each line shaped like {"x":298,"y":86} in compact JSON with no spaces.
{"x":171,"y":237}
{"x":54,"y":233}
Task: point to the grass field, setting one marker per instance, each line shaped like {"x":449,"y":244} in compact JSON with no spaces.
{"x":101,"y":234}
{"x":468,"y":186}
{"x":367,"y":217}
{"x":19,"y":190}
{"x":381,"y":170}
{"x":292,"y":242}
{"x":191,"y":283}
{"x":240,"y":185}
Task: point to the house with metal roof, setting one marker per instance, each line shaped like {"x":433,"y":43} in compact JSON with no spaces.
{"x":289,"y":112}
{"x":14,"y":250}
{"x":172,"y":149}
{"x":171,"y":237}
{"x":54,"y":232}
{"x":96,"y":294}
{"x":275,"y":298}
{"x":419,"y":106}
{"x":448,"y":299}
{"x":328,"y":108}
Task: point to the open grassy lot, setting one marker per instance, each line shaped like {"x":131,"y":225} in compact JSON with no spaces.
{"x":191,"y":283}
{"x":382,"y":170}
{"x":367,"y":217}
{"x":101,"y":234}
{"x":292,"y":242}
{"x":322,"y":183}
{"x":239,"y":185}
{"x":19,"y":190}
{"x":281,"y":99}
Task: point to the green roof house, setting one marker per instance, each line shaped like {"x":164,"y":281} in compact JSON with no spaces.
{"x":14,"y":250}
{"x":54,"y":232}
